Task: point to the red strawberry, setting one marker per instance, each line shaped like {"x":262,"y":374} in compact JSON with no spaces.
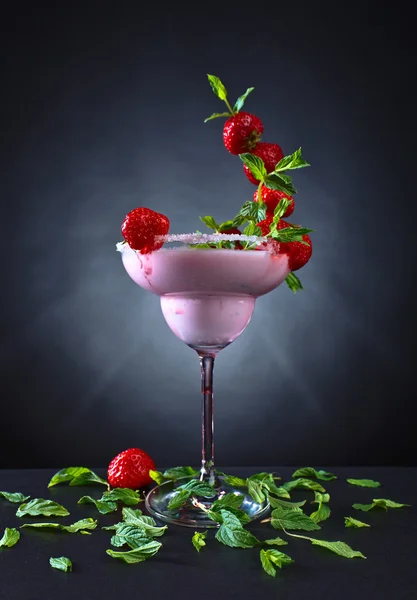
{"x":140,"y":227}
{"x":271,"y":154}
{"x":242,"y":132}
{"x":130,"y":469}
{"x":272,"y":198}
{"x":298,"y":254}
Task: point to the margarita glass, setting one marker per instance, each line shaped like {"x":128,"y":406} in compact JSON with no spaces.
{"x":207,"y":297}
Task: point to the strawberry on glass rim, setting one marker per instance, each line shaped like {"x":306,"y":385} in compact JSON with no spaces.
{"x":141,"y":227}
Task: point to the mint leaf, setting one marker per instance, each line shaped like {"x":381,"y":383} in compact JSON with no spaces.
{"x":273,"y":558}
{"x":191,"y":488}
{"x":292,"y":519}
{"x":291,"y":234}
{"x":40,"y":507}
{"x":210,"y":222}
{"x":321,"y":514}
{"x":280,"y":183}
{"x":302,"y":483}
{"x":228,"y":500}
{"x":76,"y":476}
{"x":278,"y":503}
{"x":292,"y":161}
{"x":253,"y":211}
{"x":137,"y":555}
{"x":379,"y":503}
{"x":103,"y":507}
{"x":310,"y":472}
{"x":130,"y":535}
{"x":14,"y":497}
{"x":176,"y":473}
{"x":237,"y":512}
{"x":178,"y":499}
{"x":124,"y":495}
{"x":234,"y":481}
{"x":10,"y":537}
{"x":217,"y":115}
{"x":339,"y":548}
{"x":364,"y":483}
{"x":199,"y":540}
{"x":62,"y":563}
{"x":281,"y":209}
{"x":252,"y":229}
{"x":293,"y":282}
{"x":275,"y":542}
{"x":320,"y":498}
{"x":351,"y":522}
{"x":255,"y":491}
{"x":241,"y":100}
{"x":255,"y":165}
{"x":81,"y":526}
{"x":157,"y":476}
{"x":148,"y":524}
{"x":231,"y":533}
{"x":217,"y":87}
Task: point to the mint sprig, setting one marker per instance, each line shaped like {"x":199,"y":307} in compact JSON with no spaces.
{"x":232,"y":533}
{"x":199,"y":540}
{"x":292,"y":519}
{"x":77,"y":476}
{"x":15,"y":497}
{"x":220,"y":91}
{"x":9,"y":538}
{"x":293,"y":282}
{"x":383,"y":503}
{"x":310,"y":472}
{"x":323,"y":511}
{"x":351,"y":522}
{"x":41,"y":507}
{"x":136,"y":555}
{"x":273,"y":558}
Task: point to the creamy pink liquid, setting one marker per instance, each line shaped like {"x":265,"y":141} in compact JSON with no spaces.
{"x":207,"y":296}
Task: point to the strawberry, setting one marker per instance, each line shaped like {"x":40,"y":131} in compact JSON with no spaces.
{"x":242,"y":132}
{"x":298,"y":254}
{"x":130,"y":469}
{"x":271,"y":154}
{"x":272,"y":198}
{"x":140,"y":227}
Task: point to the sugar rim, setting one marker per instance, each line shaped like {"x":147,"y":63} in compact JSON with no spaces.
{"x":200,"y":238}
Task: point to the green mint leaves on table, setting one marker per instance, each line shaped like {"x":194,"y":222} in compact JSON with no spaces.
{"x":194,"y":487}
{"x":10,"y":537}
{"x":370,"y":483}
{"x":16,"y":497}
{"x":82,"y":526}
{"x":62,"y":563}
{"x":103,"y":507}
{"x":232,"y":533}
{"x":292,"y":519}
{"x":351,"y":522}
{"x":40,"y":507}
{"x":310,"y":472}
{"x":175,"y":473}
{"x":77,"y":476}
{"x":323,"y":511}
{"x":273,"y":558}
{"x":136,"y":555}
{"x":108,"y":501}
{"x":379,"y":503}
{"x":199,"y":540}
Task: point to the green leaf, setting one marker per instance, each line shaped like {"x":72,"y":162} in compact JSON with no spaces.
{"x":320,"y":498}
{"x":199,"y":540}
{"x":310,"y":472}
{"x":351,"y":522}
{"x":253,"y":211}
{"x":62,"y":563}
{"x":237,"y":512}
{"x":278,"y":503}
{"x":231,"y":533}
{"x":217,"y":115}
{"x":252,"y":229}
{"x":76,"y":476}
{"x":79,"y":526}
{"x":292,"y":519}
{"x":293,"y":282}
{"x":255,"y":165}
{"x":321,"y":514}
{"x":370,"y":483}
{"x":292,"y":161}
{"x":157,"y":476}
{"x":280,"y":183}
{"x":176,"y":473}
{"x":135,"y":517}
{"x":40,"y":507}
{"x":210,"y":222}
{"x":225,"y":226}
{"x":194,"y":487}
{"x":291,"y":234}
{"x":273,"y":558}
{"x":281,"y":209}
{"x":237,"y":222}
{"x":103,"y":507}
{"x":302,"y":483}
{"x":137,"y":555}
{"x":178,"y":499}
{"x":124,"y":495}
{"x":255,"y":491}
{"x":217,"y":87}
{"x":16,"y":497}
{"x":241,"y":100}
{"x":379,"y":503}
{"x":275,"y":542}
{"x":228,"y":500}
{"x":235,"y":481}
{"x":10,"y":537}
{"x":339,"y":548}
{"x":130,"y":535}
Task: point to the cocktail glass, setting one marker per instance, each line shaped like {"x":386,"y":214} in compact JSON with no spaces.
{"x":207,"y":298}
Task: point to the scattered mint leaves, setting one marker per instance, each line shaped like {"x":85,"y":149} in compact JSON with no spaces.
{"x":137,"y":555}
{"x":148,"y":524}
{"x":178,"y":499}
{"x":351,"y":522}
{"x":16,"y":497}
{"x":124,"y":495}
{"x":306,"y":484}
{"x":41,"y":507}
{"x":231,"y":532}
{"x":216,"y":116}
{"x":215,"y":515}
{"x":255,"y":165}
{"x":339,"y":548}
{"x":379,"y":503}
{"x":174,"y":473}
{"x":278,"y":503}
{"x":10,"y":537}
{"x":234,"y":481}
{"x":273,"y":558}
{"x":310,"y":472}
{"x":321,"y":514}
{"x":292,"y":519}
{"x":194,"y":487}
{"x":241,"y":100}
{"x":275,"y":542}
{"x":293,"y":282}
{"x":82,"y":526}
{"x":62,"y":563}
{"x":130,"y":535}
{"x":199,"y":540}
{"x":370,"y":483}
{"x":103,"y":507}
{"x":77,"y":476}
{"x":227,"y":501}
{"x":292,"y":161}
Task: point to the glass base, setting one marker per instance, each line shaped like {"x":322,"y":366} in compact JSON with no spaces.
{"x":194,"y":512}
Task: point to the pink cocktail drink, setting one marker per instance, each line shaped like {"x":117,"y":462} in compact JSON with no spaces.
{"x":207,"y":295}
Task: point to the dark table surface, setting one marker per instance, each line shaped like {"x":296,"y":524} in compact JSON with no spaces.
{"x":218,"y":572}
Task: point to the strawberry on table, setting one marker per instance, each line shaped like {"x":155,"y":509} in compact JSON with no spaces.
{"x":271,"y":154}
{"x":130,"y":469}
{"x":141,"y":226}
{"x":272,"y":198}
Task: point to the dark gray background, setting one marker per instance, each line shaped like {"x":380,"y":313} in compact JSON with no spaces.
{"x":102,"y":110}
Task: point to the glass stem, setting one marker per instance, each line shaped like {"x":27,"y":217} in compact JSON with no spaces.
{"x":207,"y":423}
